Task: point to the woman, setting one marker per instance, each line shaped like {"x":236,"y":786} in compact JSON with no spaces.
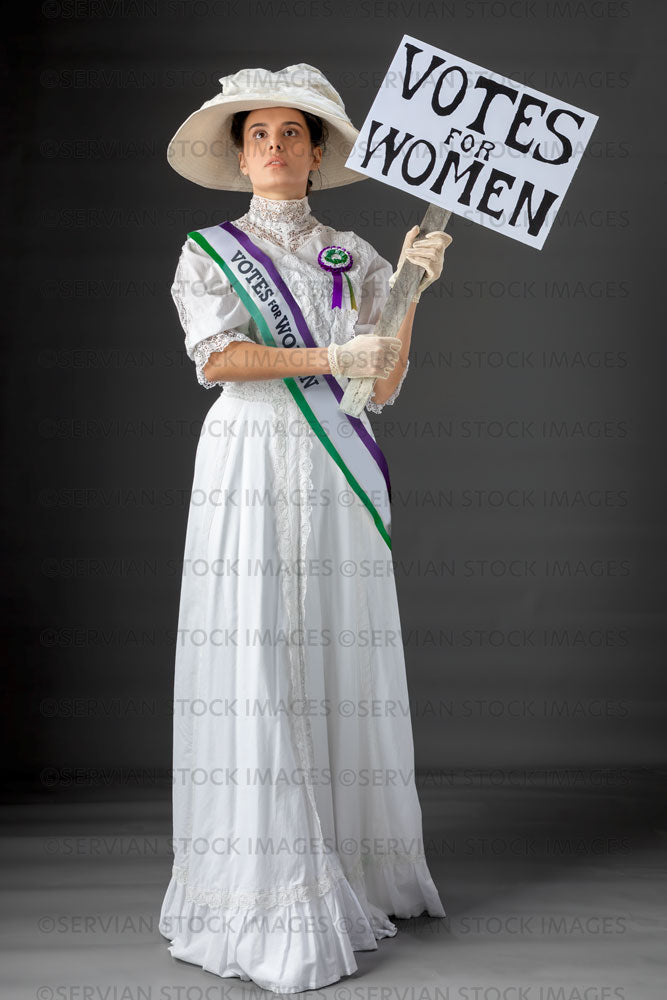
{"x":297,"y":826}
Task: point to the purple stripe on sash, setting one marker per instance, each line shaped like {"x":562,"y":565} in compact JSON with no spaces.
{"x":307,"y":336}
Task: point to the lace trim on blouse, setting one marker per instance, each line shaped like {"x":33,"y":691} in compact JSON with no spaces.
{"x":377,"y":407}
{"x":205,"y":348}
{"x":287,"y":223}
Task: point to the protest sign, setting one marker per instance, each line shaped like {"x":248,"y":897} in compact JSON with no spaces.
{"x":471,"y":141}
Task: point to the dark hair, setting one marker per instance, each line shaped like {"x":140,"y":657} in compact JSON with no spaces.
{"x":318,"y":131}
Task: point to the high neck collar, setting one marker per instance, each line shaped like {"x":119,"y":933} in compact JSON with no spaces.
{"x":286,"y":222}
{"x":281,"y":212}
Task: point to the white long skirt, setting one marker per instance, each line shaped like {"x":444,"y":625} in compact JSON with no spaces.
{"x":297,"y":825}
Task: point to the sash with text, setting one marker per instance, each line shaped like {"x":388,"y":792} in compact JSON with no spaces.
{"x":281,"y":323}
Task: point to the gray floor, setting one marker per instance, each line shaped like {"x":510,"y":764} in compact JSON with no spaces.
{"x":554,"y":889}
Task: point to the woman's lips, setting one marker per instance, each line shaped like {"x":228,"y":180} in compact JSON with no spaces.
{"x":276,"y":163}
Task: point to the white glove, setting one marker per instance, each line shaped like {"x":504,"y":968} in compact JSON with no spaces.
{"x":428,"y":252}
{"x":365,"y":356}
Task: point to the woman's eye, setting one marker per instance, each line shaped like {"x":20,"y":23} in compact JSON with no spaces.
{"x":261,"y":132}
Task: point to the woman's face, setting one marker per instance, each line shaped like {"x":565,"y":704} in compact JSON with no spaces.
{"x":277,"y":154}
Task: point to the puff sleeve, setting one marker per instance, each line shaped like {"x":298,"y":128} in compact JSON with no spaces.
{"x":374,"y":293}
{"x":211,"y":313}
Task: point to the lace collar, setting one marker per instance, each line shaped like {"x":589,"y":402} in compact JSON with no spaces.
{"x":285,"y":222}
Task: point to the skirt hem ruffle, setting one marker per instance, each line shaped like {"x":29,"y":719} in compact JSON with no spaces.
{"x":302,"y":945}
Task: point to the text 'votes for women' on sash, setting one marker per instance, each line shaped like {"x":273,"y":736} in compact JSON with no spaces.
{"x":281,"y":323}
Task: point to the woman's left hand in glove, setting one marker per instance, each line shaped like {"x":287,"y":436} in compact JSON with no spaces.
{"x":427,"y":252}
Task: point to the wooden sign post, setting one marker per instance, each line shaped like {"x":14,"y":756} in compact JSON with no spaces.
{"x":359,"y":390}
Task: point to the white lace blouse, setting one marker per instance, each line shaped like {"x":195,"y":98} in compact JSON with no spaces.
{"x":212,"y":315}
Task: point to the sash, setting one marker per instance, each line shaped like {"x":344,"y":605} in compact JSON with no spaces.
{"x":281,"y":323}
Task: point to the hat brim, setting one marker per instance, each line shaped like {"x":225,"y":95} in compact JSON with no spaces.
{"x":202,"y":150}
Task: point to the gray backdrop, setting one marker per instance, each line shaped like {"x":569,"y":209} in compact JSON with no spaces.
{"x":525,"y":450}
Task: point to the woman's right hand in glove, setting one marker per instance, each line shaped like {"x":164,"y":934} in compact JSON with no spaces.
{"x":365,"y":356}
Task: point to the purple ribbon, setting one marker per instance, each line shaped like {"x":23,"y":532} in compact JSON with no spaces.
{"x":337,"y":294}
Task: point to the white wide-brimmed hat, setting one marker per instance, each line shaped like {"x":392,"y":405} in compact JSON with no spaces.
{"x":202,"y":149}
